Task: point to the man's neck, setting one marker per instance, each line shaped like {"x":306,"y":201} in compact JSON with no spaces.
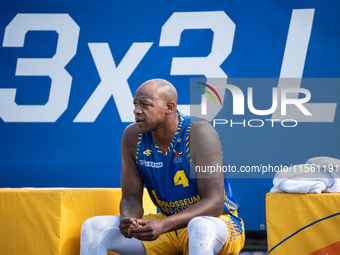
{"x":164,"y":136}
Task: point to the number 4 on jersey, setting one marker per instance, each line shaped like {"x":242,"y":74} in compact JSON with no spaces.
{"x":180,"y":178}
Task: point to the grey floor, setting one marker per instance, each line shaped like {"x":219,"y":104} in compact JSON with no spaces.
{"x":256,"y":243}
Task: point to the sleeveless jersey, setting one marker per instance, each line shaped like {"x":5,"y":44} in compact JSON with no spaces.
{"x":167,"y":175}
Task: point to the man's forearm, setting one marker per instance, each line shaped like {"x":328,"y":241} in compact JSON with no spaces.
{"x":130,"y":207}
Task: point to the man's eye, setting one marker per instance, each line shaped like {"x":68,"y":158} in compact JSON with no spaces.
{"x":142,"y":104}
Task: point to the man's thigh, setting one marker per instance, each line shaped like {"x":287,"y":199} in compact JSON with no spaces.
{"x":236,"y":236}
{"x":171,"y":243}
{"x":176,"y":242}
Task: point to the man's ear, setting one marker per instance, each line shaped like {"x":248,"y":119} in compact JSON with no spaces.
{"x":171,"y":106}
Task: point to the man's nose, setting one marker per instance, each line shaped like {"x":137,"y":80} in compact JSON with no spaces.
{"x":137,"y":110}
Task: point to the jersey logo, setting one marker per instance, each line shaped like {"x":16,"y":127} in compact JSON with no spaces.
{"x":147,"y":152}
{"x":150,"y":164}
{"x":177,"y":156}
{"x":181,"y":179}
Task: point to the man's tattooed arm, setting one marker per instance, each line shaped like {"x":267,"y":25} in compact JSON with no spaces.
{"x":131,"y":181}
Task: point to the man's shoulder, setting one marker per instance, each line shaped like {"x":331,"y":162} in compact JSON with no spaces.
{"x":130,"y":137}
{"x":196,"y":124}
{"x":202,"y":128}
{"x":131,"y":130}
{"x":199,"y":123}
{"x":192,"y":120}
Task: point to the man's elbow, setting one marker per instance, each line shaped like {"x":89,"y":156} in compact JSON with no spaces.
{"x":217,"y":209}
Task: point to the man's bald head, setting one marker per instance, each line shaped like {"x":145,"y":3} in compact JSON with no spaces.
{"x":155,"y":106}
{"x":159,"y":88}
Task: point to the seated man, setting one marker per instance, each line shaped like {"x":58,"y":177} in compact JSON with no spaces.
{"x":160,"y":150}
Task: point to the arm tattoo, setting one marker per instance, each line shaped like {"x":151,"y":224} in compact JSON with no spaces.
{"x":213,"y":184}
{"x":134,"y":168}
{"x":137,"y":192}
{"x":207,"y":149}
{"x":128,"y":144}
{"x":123,"y":181}
{"x":129,"y":208}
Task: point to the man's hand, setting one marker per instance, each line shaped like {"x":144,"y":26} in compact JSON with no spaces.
{"x":126,"y":224}
{"x":150,"y":230}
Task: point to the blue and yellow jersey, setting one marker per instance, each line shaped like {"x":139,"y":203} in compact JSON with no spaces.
{"x":167,"y":175}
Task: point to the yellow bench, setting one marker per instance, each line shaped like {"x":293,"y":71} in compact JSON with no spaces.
{"x":303,"y":223}
{"x":48,"y":220}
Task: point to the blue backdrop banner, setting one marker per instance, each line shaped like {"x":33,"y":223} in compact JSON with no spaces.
{"x":69,"y":71}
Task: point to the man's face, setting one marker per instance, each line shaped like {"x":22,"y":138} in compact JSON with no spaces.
{"x":149,"y":110}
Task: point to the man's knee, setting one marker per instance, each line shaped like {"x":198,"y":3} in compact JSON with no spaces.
{"x":197,"y":220}
{"x":99,"y":224}
{"x":212,"y":226}
{"x":207,"y":234}
{"x":199,"y":224}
